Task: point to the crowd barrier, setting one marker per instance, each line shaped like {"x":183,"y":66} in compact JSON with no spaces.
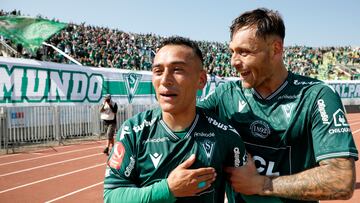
{"x":25,"y":125}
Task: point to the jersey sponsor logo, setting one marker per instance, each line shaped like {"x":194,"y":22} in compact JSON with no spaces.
{"x":155,"y":158}
{"x":156,"y":140}
{"x":208,"y":147}
{"x":242,"y":105}
{"x":340,"y":122}
{"x":260,"y":129}
{"x":145,"y":123}
{"x":217,"y":124}
{"x":324,"y":116}
{"x":339,"y":130}
{"x":117,"y":156}
{"x":339,"y":118}
{"x":265,"y":166}
{"x":131,"y":82}
{"x":285,"y":96}
{"x":130,"y":167}
{"x":202,"y":134}
{"x":287,"y":109}
{"x":124,"y":131}
{"x":297,"y":82}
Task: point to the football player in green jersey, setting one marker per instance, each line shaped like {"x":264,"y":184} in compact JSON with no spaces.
{"x":294,"y":127}
{"x":150,"y":160}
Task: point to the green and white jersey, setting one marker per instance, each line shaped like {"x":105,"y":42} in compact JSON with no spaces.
{"x":147,"y":151}
{"x":300,"y":124}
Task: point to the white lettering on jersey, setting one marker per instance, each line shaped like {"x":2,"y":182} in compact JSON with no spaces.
{"x":339,"y":130}
{"x":260,"y":129}
{"x":242,"y":105}
{"x":208,"y":148}
{"x":296,"y":82}
{"x":130,"y":167}
{"x":285,"y":96}
{"x":324,"y":116}
{"x":155,"y":158}
{"x":217,"y":124}
{"x":268,"y":167}
{"x":156,"y":140}
{"x":339,"y":118}
{"x":145,"y":123}
{"x":202,"y":134}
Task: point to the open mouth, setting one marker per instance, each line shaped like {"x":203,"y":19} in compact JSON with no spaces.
{"x":245,"y":73}
{"x":168,"y":95}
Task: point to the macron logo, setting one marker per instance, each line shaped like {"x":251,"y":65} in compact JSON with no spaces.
{"x":155,"y":158}
{"x":242,"y":104}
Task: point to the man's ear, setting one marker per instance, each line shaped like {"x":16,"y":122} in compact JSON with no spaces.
{"x":202,"y":79}
{"x":278,"y":47}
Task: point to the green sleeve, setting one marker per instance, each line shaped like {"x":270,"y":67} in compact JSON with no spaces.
{"x":331,"y":133}
{"x":211,"y":100}
{"x":157,"y":192}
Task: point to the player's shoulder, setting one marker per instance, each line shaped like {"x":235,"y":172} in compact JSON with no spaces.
{"x":143,"y":119}
{"x":215,"y":122}
{"x":308,"y":83}
{"x":229,"y":85}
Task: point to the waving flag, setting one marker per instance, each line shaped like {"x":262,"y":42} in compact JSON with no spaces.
{"x":30,"y":32}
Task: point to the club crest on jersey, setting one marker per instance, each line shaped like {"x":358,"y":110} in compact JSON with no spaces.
{"x":117,"y":156}
{"x":260,"y":129}
{"x":208,"y":147}
{"x":131,"y":82}
{"x":155,"y":158}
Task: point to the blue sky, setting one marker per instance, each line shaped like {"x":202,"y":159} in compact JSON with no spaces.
{"x":308,"y":22}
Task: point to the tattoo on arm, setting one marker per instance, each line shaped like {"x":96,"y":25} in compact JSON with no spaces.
{"x":332,"y":179}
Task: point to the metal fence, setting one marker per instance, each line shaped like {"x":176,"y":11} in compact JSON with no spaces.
{"x":42,"y":124}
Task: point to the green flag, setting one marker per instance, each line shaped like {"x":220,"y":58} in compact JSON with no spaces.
{"x":30,"y":32}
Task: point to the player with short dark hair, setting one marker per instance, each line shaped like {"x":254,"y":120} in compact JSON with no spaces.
{"x":150,"y":161}
{"x":294,"y":127}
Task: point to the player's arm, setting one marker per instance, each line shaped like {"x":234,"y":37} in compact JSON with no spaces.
{"x":334,"y":151}
{"x":333,"y":179}
{"x":120,"y":184}
{"x":211,"y":100}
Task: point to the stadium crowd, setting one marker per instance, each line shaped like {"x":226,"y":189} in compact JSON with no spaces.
{"x":104,"y":47}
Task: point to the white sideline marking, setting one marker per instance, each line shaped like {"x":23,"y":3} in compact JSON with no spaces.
{"x":46,"y":179}
{"x":76,"y":191}
{"x":78,"y":150}
{"x":42,"y":150}
{"x":356,"y":131}
{"x":351,"y":124}
{"x":42,"y":166}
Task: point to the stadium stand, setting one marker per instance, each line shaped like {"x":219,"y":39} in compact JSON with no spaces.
{"x":104,"y":47}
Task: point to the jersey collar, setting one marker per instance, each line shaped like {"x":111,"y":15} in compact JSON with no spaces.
{"x":173,"y":136}
{"x":275,"y":93}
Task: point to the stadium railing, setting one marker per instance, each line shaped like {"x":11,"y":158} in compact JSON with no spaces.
{"x":55,"y":125}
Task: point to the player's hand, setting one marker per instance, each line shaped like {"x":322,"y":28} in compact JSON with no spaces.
{"x":246,"y":179}
{"x":185,"y":182}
